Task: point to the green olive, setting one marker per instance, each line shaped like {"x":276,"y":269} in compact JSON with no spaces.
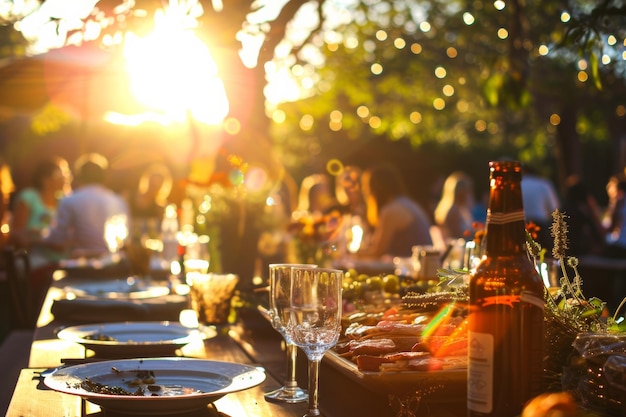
{"x":391,"y":283}
{"x":375,"y":283}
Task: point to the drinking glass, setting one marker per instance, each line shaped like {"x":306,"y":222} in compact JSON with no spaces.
{"x":280,"y":282}
{"x":314,"y":321}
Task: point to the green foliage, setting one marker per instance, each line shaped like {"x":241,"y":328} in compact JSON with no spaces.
{"x":496,"y":89}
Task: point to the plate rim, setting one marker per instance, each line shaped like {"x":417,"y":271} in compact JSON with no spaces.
{"x":55,"y":382}
{"x":75,"y":288}
{"x":204,"y":332}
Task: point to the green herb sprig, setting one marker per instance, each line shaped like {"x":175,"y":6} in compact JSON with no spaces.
{"x":569,"y":303}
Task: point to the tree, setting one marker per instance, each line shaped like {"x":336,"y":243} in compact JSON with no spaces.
{"x":478,"y":75}
{"x":487,"y":51}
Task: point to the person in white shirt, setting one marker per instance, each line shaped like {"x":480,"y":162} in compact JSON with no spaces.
{"x":83,"y":215}
{"x":540,"y":200}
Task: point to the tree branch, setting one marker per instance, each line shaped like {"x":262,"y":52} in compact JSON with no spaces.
{"x":278,"y":29}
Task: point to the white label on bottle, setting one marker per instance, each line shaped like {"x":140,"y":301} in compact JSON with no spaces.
{"x":480,"y":373}
{"x":504,"y":218}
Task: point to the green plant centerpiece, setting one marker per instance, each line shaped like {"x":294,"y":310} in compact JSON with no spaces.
{"x":580,"y":334}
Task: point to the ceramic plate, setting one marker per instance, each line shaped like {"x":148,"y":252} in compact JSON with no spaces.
{"x":130,"y":288}
{"x":174,"y":384}
{"x":133,"y":339}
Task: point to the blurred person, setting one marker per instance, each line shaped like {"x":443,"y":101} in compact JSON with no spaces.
{"x":35,"y":207}
{"x":585,"y":231}
{"x":315,"y":196}
{"x":616,"y":235}
{"x":153,"y":190}
{"x":147,"y":204}
{"x":540,"y":199}
{"x":83,"y":215}
{"x":453,"y":213}
{"x":34,"y":213}
{"x":399,"y":222}
{"x":610,"y":219}
{"x":348,"y":191}
{"x":7,"y":187}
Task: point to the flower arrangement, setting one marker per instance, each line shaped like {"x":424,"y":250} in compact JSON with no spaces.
{"x":313,"y":236}
{"x":228,"y":194}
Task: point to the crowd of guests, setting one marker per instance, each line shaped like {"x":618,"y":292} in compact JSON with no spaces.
{"x":62,"y":212}
{"x":394,"y":221}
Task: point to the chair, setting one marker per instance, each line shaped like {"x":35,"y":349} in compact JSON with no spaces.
{"x":17,"y":267}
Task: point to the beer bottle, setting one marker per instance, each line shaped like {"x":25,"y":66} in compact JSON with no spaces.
{"x":506,"y":307}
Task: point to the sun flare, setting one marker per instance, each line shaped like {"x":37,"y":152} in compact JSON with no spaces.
{"x":174,"y":75}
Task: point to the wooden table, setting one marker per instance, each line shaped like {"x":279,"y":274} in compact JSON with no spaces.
{"x":251,"y":341}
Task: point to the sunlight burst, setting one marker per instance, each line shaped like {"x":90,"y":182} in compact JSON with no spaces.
{"x":172,"y":72}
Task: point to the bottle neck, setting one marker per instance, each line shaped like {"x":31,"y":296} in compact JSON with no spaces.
{"x":506,"y":225}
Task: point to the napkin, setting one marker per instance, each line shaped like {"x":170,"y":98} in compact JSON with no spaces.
{"x":90,"y":310}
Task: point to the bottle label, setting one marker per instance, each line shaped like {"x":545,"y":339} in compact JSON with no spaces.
{"x":480,"y":373}
{"x":504,"y":218}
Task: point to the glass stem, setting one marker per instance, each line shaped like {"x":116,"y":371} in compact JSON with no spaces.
{"x":314,"y":368}
{"x":292,"y":352}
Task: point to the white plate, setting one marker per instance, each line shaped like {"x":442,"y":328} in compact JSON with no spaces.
{"x":130,"y":288}
{"x":184,"y":384}
{"x":132,"y":339}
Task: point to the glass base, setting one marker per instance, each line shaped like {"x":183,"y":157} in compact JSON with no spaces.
{"x":287,"y":395}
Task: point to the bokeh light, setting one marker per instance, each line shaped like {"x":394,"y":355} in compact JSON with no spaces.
{"x":334,"y":167}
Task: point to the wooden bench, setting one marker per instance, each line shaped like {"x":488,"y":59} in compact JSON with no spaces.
{"x":604,"y":278}
{"x":14,"y":354}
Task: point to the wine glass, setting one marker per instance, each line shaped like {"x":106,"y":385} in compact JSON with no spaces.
{"x":315,"y":319}
{"x":280,"y":282}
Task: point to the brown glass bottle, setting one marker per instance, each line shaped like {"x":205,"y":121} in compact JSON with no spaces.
{"x":506,"y":307}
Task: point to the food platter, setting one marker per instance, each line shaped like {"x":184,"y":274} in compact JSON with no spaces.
{"x":434,"y":386}
{"x":413,"y":349}
{"x":178,"y":384}
{"x":131,"y":339}
{"x":125,"y":289}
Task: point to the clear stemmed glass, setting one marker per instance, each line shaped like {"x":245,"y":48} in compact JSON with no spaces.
{"x":315,"y":319}
{"x":280,"y":287}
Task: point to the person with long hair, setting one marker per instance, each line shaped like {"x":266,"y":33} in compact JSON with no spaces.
{"x":399,"y":222}
{"x":453,"y":214}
